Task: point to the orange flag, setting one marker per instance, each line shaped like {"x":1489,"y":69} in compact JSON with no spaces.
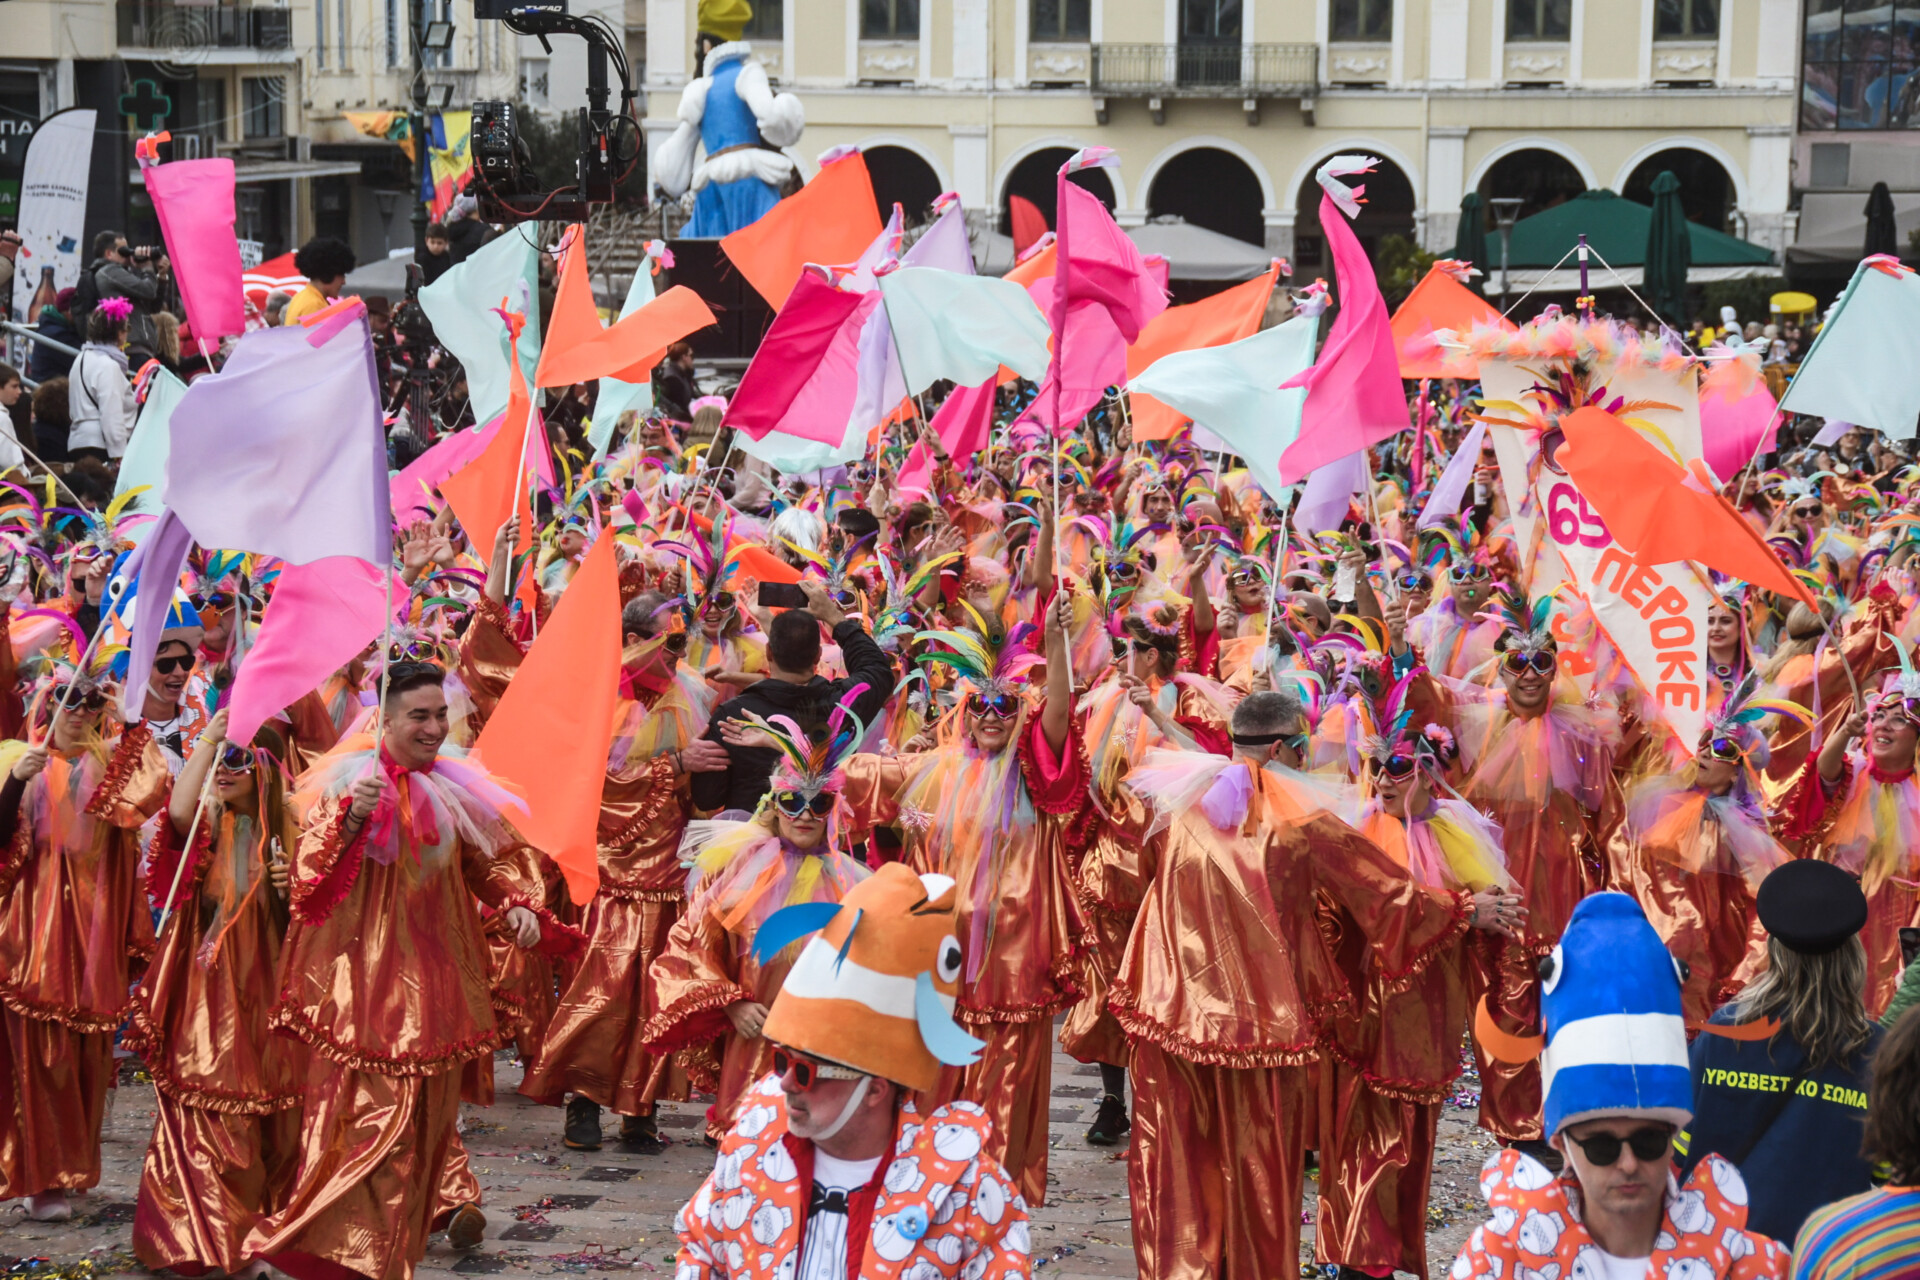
{"x":549,"y":734}
{"x":1441,"y":302}
{"x":494,"y":485}
{"x":1038,"y":267}
{"x":1227,"y":316}
{"x":578,"y":349}
{"x":832,"y":219}
{"x":1661,"y":512}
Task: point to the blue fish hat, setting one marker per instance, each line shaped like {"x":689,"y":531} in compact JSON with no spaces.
{"x":1616,"y":1040}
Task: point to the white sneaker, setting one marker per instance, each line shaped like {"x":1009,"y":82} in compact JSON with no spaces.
{"x":49,"y":1206}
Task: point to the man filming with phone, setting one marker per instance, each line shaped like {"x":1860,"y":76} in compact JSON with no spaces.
{"x":793,"y":688}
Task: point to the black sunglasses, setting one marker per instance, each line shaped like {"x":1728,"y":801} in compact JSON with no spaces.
{"x":795,"y":803}
{"x":167,"y":666}
{"x":1603,"y":1149}
{"x":674,"y":641}
{"x":92,"y":700}
{"x":211,"y":600}
{"x":1399,"y":766}
{"x":721,"y":601}
{"x":1000,"y":706}
{"x":1807,"y":513}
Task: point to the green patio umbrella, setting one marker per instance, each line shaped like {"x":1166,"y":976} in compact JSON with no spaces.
{"x":1669,"y":251}
{"x":1470,"y":240}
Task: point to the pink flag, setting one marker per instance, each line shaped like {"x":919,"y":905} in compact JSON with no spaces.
{"x":1354,"y":398}
{"x":282,"y":451}
{"x":916,"y":474}
{"x":1732,"y":429}
{"x":965,"y":419}
{"x":321,"y":615}
{"x":194,"y":200}
{"x":1104,"y":293}
{"x":804,"y":376}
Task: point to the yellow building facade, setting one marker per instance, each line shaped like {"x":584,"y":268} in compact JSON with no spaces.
{"x":1221,"y":110}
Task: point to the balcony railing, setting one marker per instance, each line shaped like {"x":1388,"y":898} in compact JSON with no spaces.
{"x":1205,"y":70}
{"x":155,"y":24}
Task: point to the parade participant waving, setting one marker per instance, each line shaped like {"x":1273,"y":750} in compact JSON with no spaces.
{"x":710,"y":986}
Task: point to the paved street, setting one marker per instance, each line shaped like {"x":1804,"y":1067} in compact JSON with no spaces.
{"x":554,"y":1211}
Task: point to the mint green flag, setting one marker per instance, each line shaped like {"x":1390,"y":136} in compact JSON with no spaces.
{"x":1233,"y":390}
{"x":616,"y":397}
{"x":146,"y":460}
{"x":461,"y":302}
{"x":947,"y":324}
{"x":1861,"y":367}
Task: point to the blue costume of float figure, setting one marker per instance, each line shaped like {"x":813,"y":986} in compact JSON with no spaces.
{"x":732,"y":114}
{"x":723,"y":207}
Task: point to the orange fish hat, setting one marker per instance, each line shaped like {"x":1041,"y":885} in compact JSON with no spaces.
{"x":874,"y":988}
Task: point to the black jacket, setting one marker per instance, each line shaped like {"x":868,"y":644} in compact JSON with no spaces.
{"x":745,"y":779}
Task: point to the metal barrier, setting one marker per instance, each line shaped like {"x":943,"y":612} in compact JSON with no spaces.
{"x":32,"y":334}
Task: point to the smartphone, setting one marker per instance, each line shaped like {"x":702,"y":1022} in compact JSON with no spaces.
{"x":782,"y":595}
{"x":1909,"y":944}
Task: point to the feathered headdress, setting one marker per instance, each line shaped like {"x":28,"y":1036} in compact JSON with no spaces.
{"x":804,"y":765}
{"x":992,"y":659}
{"x":1120,"y":553}
{"x":1527,"y":626}
{"x":1901,"y":692}
{"x":1735,"y":728}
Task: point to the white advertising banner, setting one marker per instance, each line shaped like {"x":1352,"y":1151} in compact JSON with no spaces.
{"x":1655,"y":616}
{"x":53,"y":207}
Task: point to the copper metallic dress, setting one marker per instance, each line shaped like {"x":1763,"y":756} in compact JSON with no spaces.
{"x":999,"y":826}
{"x":593,"y":1043}
{"x":1228,"y":988}
{"x":74,"y":931}
{"x":708,"y":963}
{"x":227,"y":1133}
{"x":386,"y":979}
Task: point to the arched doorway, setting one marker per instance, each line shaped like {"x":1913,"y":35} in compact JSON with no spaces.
{"x":1388,"y":211}
{"x":1034,"y":177}
{"x":1540,"y":178}
{"x":901,"y":176}
{"x":1706,"y":188}
{"x":1210,"y":188}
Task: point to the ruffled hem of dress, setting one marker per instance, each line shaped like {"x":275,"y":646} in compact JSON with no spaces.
{"x":558,"y":939}
{"x":1140,"y":1027}
{"x":633,"y":893}
{"x":502,"y":620}
{"x":674,"y":1028}
{"x":76,"y":1020}
{"x":163,"y":861}
{"x":1074,"y":786}
{"x":315,"y":899}
{"x":139,"y":1040}
{"x":296,"y":1023}
{"x":126,"y":758}
{"x":1397,"y":980}
{"x":1421,"y":1092}
{"x":663,"y":792}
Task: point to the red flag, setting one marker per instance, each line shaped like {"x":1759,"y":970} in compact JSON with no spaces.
{"x":831,"y":219}
{"x":1029,"y":224}
{"x":1661,"y":512}
{"x":549,"y":735}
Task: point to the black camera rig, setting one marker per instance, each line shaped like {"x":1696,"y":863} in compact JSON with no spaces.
{"x":504,"y":180}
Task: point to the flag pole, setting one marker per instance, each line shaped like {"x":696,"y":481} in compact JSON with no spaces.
{"x":186,"y":851}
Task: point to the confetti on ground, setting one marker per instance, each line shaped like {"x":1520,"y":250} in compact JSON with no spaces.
{"x":1064,"y":1251}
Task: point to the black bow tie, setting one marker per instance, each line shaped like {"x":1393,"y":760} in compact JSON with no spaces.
{"x":825,"y":1201}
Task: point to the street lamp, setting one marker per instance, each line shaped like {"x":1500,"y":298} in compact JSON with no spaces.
{"x":1506,"y":211}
